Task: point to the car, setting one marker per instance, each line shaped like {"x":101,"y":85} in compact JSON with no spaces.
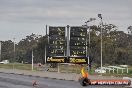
{"x":99,"y":70}
{"x":4,"y":62}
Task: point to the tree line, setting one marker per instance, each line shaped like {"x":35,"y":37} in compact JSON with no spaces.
{"x":117,"y":46}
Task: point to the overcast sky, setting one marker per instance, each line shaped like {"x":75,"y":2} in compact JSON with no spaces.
{"x":19,"y":18}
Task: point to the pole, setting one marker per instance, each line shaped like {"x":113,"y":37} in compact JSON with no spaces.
{"x":87,"y":44}
{"x":68,"y":36}
{"x":86,"y":41}
{"x":46,"y":44}
{"x":58,"y":68}
{"x":88,"y":52}
{"x":32,"y":59}
{"x":68,"y":50}
{"x":14,"y":54}
{"x":101,"y":43}
{"x":14,"y":47}
{"x":0,"y":50}
{"x":100,"y":16}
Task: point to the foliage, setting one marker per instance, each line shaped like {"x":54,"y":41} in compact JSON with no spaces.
{"x":117,"y":46}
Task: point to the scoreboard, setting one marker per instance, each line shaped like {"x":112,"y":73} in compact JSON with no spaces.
{"x":78,"y":41}
{"x":57,"y":44}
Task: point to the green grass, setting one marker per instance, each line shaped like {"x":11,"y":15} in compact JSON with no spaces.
{"x":8,"y":66}
{"x":16,"y":66}
{"x":70,"y":69}
{"x":65,"y":68}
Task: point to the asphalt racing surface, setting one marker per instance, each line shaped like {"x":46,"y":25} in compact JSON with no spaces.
{"x":21,"y":81}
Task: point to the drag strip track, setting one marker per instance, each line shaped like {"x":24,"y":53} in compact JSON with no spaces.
{"x":21,"y":81}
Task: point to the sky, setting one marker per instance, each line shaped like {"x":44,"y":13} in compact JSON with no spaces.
{"x":19,"y":18}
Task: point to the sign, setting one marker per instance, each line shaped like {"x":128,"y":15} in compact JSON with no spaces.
{"x":56,"y":59}
{"x":78,"y":60}
{"x":110,"y":82}
{"x":56,"y":44}
{"x":78,"y":41}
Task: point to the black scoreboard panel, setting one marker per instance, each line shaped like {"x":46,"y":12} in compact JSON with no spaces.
{"x":78,"y":33}
{"x":78,"y":41}
{"x":57,"y":46}
{"x":60,"y":31}
{"x":57,"y":41}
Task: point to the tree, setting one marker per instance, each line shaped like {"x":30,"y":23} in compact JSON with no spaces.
{"x":25,"y":47}
{"x":7,"y":50}
{"x":117,"y":46}
{"x":129,"y":30}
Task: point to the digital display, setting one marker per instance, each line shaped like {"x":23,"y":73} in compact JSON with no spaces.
{"x":56,"y":31}
{"x":78,"y":41}
{"x":57,"y":44}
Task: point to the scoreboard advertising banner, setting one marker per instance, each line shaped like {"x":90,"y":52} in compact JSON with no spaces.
{"x":75,"y":60}
{"x":78,"y":60}
{"x":56,"y":59}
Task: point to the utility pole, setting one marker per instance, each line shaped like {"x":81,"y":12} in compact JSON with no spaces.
{"x":14,"y":53}
{"x":14,"y":48}
{"x":32,"y":59}
{"x":100,"y":16}
{"x":89,"y":39}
